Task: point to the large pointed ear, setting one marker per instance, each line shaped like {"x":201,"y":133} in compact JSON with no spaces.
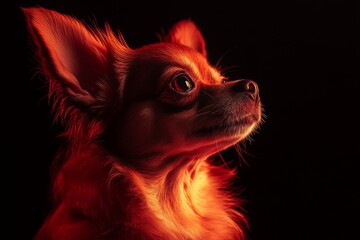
{"x":187,"y":33}
{"x":74,"y":58}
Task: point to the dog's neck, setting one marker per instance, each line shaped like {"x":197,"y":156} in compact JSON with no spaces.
{"x":187,"y":194}
{"x":185,"y":197}
{"x":179,"y":188}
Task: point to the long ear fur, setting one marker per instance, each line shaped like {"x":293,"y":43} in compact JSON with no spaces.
{"x":77,"y":61}
{"x":85,"y":68}
{"x":187,"y":33}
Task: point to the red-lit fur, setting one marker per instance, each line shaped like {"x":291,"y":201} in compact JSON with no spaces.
{"x":136,"y":162}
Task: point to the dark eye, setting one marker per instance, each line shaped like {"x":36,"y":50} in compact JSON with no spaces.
{"x":182,"y":83}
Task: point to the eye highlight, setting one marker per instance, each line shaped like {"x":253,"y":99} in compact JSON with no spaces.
{"x":182,"y":83}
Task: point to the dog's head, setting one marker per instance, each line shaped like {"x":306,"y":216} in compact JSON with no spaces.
{"x":163,"y":99}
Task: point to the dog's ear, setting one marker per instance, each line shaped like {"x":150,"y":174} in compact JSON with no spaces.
{"x":77,"y":60}
{"x":187,"y":33}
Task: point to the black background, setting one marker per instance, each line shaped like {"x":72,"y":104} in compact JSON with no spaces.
{"x":302,"y":177}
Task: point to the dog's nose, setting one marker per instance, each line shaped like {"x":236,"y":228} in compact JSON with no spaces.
{"x":247,"y":86}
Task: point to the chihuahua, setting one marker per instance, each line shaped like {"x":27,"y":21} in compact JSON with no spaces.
{"x":141,"y":131}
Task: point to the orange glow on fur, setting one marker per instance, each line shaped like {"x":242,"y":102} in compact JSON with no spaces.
{"x":137,"y":156}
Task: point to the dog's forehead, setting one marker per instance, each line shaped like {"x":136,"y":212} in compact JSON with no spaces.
{"x":200,"y":69}
{"x":182,"y":57}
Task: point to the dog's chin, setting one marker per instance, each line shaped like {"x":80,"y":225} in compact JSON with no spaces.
{"x":232,"y":129}
{"x":237,"y":126}
{"x":214,"y":138}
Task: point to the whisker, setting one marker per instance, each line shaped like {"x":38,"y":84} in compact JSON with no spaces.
{"x":222,"y":57}
{"x":221,"y":157}
{"x":226,"y":70}
{"x":210,"y":110}
{"x":208,"y":94}
{"x":240,"y":151}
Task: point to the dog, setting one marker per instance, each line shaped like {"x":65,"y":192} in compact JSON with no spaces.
{"x":141,"y":129}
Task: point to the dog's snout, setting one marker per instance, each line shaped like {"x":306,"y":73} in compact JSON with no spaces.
{"x":247,"y":86}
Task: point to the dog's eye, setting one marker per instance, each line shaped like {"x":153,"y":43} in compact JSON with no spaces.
{"x":182,"y":83}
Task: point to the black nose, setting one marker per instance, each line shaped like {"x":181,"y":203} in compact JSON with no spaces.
{"x":247,"y":86}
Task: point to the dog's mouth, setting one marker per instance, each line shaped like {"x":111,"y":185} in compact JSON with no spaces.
{"x":230,"y":128}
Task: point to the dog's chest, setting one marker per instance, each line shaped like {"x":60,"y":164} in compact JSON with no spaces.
{"x":194,"y":210}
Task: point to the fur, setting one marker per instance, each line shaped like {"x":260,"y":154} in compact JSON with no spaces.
{"x":137,"y":162}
